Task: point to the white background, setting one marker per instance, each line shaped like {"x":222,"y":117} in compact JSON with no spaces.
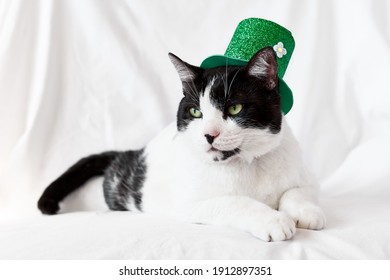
{"x":80,"y":77}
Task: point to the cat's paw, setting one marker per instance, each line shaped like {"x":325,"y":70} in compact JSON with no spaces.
{"x":309,"y":216}
{"x":275,"y":227}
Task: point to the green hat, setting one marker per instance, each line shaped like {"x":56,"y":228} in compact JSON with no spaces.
{"x":251,"y":35}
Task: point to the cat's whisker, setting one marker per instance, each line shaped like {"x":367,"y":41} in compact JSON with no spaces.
{"x":194,"y":95}
{"x":228,"y":94}
{"x":226,"y":81}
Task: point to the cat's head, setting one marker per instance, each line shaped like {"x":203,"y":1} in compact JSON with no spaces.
{"x":233,"y":111}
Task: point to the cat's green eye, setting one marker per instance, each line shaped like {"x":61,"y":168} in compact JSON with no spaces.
{"x":235,"y":109}
{"x":195,"y":113}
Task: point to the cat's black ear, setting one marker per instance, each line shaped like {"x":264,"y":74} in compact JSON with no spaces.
{"x":187,"y":72}
{"x":263,"y":65}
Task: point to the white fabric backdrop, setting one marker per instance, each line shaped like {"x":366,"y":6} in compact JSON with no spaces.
{"x":79,"y":77}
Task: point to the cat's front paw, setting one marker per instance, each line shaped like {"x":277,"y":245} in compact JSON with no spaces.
{"x":309,"y":216}
{"x":277,"y":226}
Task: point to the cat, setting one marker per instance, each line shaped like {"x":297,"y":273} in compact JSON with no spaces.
{"x":230,"y":159}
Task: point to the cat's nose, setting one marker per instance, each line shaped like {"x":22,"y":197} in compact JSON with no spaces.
{"x":210,"y":137}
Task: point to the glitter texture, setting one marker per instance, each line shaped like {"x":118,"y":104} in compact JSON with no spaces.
{"x":251,"y":35}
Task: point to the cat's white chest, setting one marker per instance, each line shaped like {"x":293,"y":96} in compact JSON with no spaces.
{"x":236,"y":178}
{"x":177,"y":176}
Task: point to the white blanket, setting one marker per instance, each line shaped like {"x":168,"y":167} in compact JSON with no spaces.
{"x":80,"y":77}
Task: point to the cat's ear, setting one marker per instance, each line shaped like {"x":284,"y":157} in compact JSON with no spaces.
{"x":187,"y":72}
{"x":263,"y":65}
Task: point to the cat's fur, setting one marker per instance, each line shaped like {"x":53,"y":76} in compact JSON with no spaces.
{"x":243,"y":170}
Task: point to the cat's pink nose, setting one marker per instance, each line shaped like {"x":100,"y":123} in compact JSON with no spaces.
{"x":210,"y":137}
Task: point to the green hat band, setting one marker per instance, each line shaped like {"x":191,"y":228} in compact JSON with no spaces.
{"x":251,"y":35}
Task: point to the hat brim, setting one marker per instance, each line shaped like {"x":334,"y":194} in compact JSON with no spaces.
{"x":285,"y":92}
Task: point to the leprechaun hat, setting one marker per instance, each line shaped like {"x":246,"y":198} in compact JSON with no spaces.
{"x":251,"y":35}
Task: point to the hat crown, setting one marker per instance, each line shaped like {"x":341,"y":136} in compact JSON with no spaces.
{"x":253,"y":34}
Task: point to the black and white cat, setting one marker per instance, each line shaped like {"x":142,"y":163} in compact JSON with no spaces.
{"x":230,"y":159}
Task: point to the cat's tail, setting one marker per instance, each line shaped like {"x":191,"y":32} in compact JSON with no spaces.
{"x":72,"y":179}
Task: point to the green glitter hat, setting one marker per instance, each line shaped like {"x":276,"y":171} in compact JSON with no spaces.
{"x":251,"y":35}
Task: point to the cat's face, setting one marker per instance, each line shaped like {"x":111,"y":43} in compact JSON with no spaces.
{"x":231,"y":112}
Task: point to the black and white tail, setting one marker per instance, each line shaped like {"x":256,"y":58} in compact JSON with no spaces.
{"x":78,"y":174}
